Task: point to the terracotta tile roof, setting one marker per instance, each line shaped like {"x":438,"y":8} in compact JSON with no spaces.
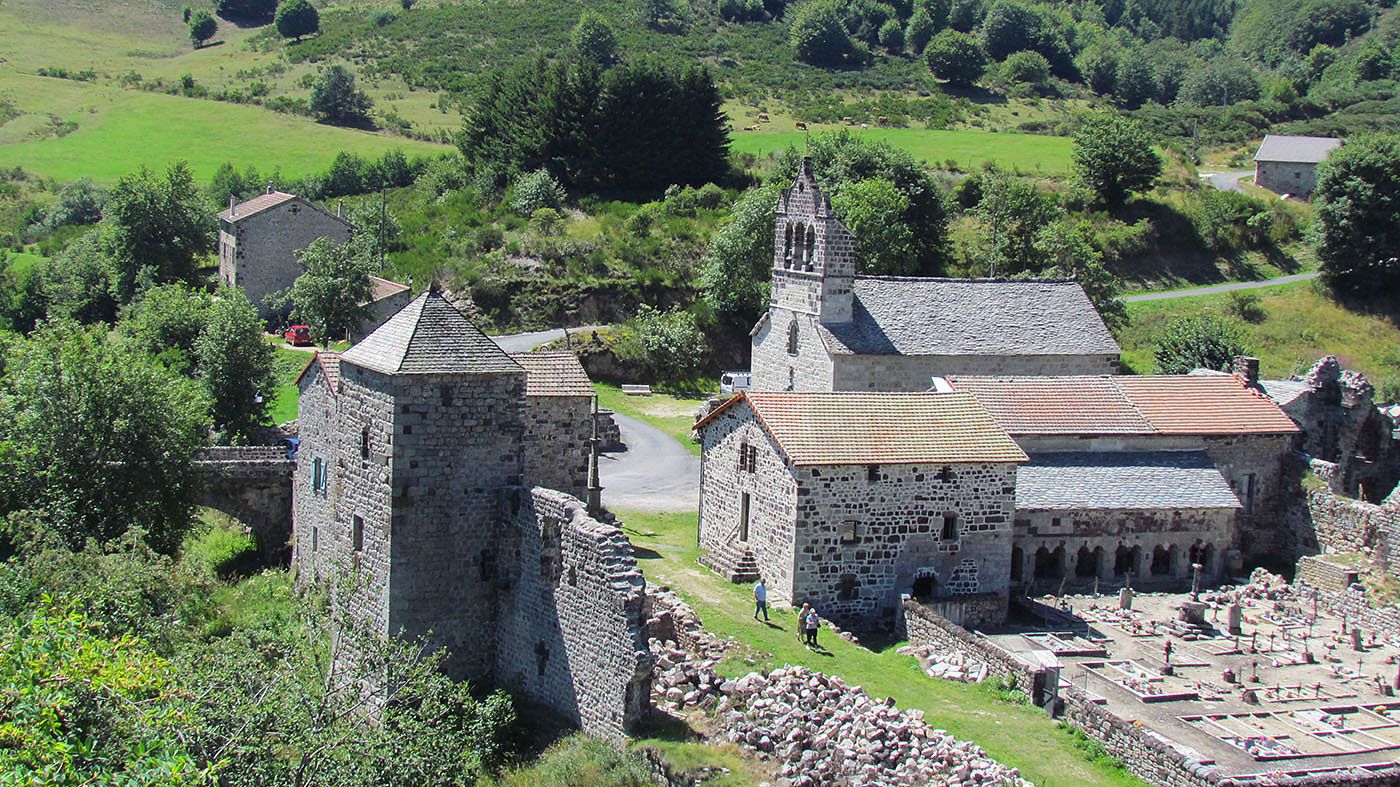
{"x":878,"y":428}
{"x":256,"y":205}
{"x":1204,"y":404}
{"x":554,"y":373}
{"x":1126,"y":480}
{"x":330,"y":368}
{"x":429,"y":336}
{"x":907,"y":316}
{"x":1127,"y":404}
{"x":1056,"y":405}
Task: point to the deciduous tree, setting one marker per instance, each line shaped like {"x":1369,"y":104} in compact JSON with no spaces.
{"x":202,"y":28}
{"x":594,"y":39}
{"x":235,"y":364}
{"x":734,"y":277}
{"x":956,"y":57}
{"x":328,"y":295}
{"x":1358,"y":216}
{"x":335,"y":99}
{"x":1114,"y":156}
{"x":297,"y":18}
{"x":1204,"y":341}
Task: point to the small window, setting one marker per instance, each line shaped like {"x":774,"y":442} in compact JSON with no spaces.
{"x":950,"y":527}
{"x":541,"y":657}
{"x":487,"y":565}
{"x":872,"y":473}
{"x":792,"y":379}
{"x":1250,"y":482}
{"x":315,"y":538}
{"x":357,"y":533}
{"x":446,"y":396}
{"x":364,"y":443}
{"x":848,"y":589}
{"x":317,"y":484}
{"x":1054,"y":521}
{"x":748,"y":458}
{"x":850,"y":531}
{"x":792,"y":338}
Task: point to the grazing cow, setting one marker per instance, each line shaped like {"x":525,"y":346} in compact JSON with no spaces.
{"x":801,"y":126}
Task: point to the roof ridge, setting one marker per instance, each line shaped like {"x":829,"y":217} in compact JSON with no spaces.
{"x":967,"y":279}
{"x":1128,"y":400}
{"x":422,"y":300}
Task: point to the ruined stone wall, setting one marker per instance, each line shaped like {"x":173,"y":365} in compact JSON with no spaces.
{"x":864,"y":535}
{"x":923,"y":625}
{"x":1286,"y":177}
{"x":456,"y":442}
{"x":313,"y":510}
{"x":772,"y":495}
{"x":1085,"y":544}
{"x":258,"y":252}
{"x":1328,"y":522}
{"x":775,"y":369}
{"x":1319,"y":572}
{"x":556,"y":444}
{"x":915,"y":372}
{"x":572,"y":627}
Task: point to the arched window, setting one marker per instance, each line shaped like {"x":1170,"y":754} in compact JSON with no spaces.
{"x":811,"y":251}
{"x":787,"y":247}
{"x":792,"y":338}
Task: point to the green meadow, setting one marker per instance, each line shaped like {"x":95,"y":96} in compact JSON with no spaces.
{"x":1031,"y":153}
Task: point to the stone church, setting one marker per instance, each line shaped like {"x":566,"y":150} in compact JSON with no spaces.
{"x":425,"y":450}
{"x":828,"y":329}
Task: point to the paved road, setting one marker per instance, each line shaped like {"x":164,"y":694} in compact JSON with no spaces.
{"x":1239,"y":285}
{"x":1226,"y":181}
{"x":525,"y":342}
{"x":655,"y":473}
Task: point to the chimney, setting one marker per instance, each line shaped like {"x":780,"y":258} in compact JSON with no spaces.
{"x":232,"y":207}
{"x":269,"y":187}
{"x":340,"y":209}
{"x":1246,"y":370}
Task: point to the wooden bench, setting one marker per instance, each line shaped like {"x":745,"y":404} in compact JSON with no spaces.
{"x":637,"y":390}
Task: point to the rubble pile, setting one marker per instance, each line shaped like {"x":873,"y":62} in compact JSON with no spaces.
{"x":1265,"y":585}
{"x":948,"y":665}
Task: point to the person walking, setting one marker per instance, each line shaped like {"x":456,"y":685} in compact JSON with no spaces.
{"x":760,"y":600}
{"x":802,"y":625}
{"x":813,"y":623}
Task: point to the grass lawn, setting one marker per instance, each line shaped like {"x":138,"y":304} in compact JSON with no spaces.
{"x":671,"y":414}
{"x":1018,"y":735}
{"x":968,"y":149}
{"x":1296,"y":324}
{"x":287,"y":364}
{"x":119,"y":130}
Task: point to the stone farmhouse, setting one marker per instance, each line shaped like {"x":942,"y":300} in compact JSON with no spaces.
{"x":828,"y":329}
{"x":1141,"y":476}
{"x":847,"y":500}
{"x":259,"y":239}
{"x":1288,"y":165}
{"x":424,"y":450}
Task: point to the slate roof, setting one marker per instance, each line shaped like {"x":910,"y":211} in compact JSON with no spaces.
{"x":330,"y":368}
{"x":1283,"y":392}
{"x":1127,"y":404}
{"x":256,"y":205}
{"x":1298,"y":150}
{"x":1132,"y":480}
{"x":384,"y":288}
{"x":429,"y":336}
{"x":878,"y":428}
{"x":901,"y":316}
{"x":554,"y":373}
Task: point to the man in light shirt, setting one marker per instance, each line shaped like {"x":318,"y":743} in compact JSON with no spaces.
{"x":760,"y":600}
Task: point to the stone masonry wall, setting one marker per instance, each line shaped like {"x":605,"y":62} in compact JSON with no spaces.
{"x":915,"y":372}
{"x":313,"y":511}
{"x":1323,"y":574}
{"x":1337,"y":524}
{"x":1286,"y":177}
{"x":457,"y":442}
{"x":898,"y":514}
{"x":775,"y":369}
{"x":258,"y":252}
{"x":572,"y":629}
{"x":557,"y":434}
{"x":772,"y":497}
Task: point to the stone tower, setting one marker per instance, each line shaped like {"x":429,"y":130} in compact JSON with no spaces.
{"x":814,"y":255}
{"x":431,"y":420}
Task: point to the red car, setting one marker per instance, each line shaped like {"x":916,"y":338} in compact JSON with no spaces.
{"x":298,"y":336}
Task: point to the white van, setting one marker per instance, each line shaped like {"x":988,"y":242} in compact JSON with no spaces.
{"x":734,"y":382}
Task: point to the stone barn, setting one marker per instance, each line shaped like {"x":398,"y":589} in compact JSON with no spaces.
{"x":259,"y":239}
{"x":848,"y":500}
{"x":1288,"y":165}
{"x":828,"y":329}
{"x":416,"y":476}
{"x":1141,"y":474}
{"x":558,"y":420}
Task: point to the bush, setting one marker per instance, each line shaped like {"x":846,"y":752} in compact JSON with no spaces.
{"x":818,"y":36}
{"x":335,"y":99}
{"x":669,"y":344}
{"x":535,"y":190}
{"x":547,"y":221}
{"x":1245,"y":305}
{"x":297,"y":18}
{"x":221,"y":549}
{"x":1200,"y":342}
{"x":742,"y":10}
{"x":1026,"y":68}
{"x":956,"y":57}
{"x":594,"y":40}
{"x":892,"y":36}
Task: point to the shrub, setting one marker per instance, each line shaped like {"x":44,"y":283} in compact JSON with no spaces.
{"x":742,"y":10}
{"x":892,"y":36}
{"x":547,"y":221}
{"x":297,"y":18}
{"x":535,"y":190}
{"x":819,"y":36}
{"x":594,"y":40}
{"x":1245,"y":305}
{"x":1200,"y":342}
{"x":334,"y":97}
{"x":956,"y":57}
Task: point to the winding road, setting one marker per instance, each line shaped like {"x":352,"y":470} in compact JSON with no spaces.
{"x":655,"y":473}
{"x":1226,"y":181}
{"x":1215,"y":288}
{"x":525,"y":342}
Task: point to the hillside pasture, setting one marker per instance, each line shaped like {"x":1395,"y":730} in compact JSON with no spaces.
{"x":967,"y":149}
{"x":120,"y":130}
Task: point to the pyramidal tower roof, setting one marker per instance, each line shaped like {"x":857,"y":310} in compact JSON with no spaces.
{"x":429,"y":336}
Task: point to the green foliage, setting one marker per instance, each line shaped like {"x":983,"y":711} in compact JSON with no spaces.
{"x":818,"y":36}
{"x":165,"y":322}
{"x":1245,"y":305}
{"x":219,"y":550}
{"x":594,"y":40}
{"x":1114,"y":156}
{"x":1012,"y":212}
{"x":546,"y":221}
{"x":1135,"y":80}
{"x":966,"y":15}
{"x":668,"y":344}
{"x":155,"y":229}
{"x":297,"y":18}
{"x":1063,"y":250}
{"x":742,"y":10}
{"x":1098,"y":64}
{"x":639,"y":126}
{"x":1012,"y":26}
{"x":956,"y":57}
{"x":1358,"y":216}
{"x":734,"y":276}
{"x":99,"y":436}
{"x":328,"y":295}
{"x":79,"y":203}
{"x":202,"y":28}
{"x":1220,"y":82}
{"x":235,"y":364}
{"x":1273,"y":31}
{"x":874,"y":210}
{"x":920,"y":31}
{"x":535,"y":190}
{"x":892,"y":36}
{"x":1026,"y":68}
{"x":1203,"y":341}
{"x":253,"y":10}
{"x":577,"y":760}
{"x":335,"y":99}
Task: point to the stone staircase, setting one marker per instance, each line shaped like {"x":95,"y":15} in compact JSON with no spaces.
{"x":735,"y":561}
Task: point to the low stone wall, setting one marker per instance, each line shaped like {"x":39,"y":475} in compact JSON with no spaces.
{"x":1150,"y":758}
{"x":1323,"y":574}
{"x":1340,"y":524}
{"x":924,"y":626}
{"x":975,"y":611}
